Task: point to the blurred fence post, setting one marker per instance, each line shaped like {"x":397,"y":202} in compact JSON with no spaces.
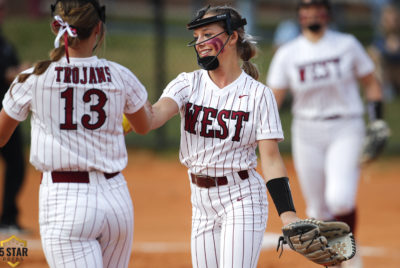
{"x":34,"y":8}
{"x":197,"y":5}
{"x":246,"y":9}
{"x":160,"y":59}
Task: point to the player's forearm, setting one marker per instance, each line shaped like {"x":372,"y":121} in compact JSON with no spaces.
{"x":141,"y":120}
{"x":271,"y":161}
{"x":372,"y":87}
{"x":159,"y":118}
{"x":163,"y":110}
{"x":273,"y":169}
{"x":148,"y":118}
{"x":277,"y":181}
{"x":374,"y":96}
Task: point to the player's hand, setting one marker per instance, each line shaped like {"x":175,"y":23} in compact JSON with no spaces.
{"x":378,"y":133}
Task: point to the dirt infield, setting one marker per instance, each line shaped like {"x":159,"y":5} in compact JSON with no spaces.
{"x":160,"y":192}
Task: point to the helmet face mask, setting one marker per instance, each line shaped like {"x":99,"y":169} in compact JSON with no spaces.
{"x":211,"y":62}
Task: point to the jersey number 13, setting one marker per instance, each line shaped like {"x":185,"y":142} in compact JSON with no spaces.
{"x":98,"y":108}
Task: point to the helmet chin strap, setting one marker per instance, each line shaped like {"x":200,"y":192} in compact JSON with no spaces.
{"x":210,"y":63}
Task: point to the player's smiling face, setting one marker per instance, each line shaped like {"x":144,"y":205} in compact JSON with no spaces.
{"x":209,"y":39}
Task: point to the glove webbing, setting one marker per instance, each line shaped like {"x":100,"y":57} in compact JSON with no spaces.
{"x":282,"y":242}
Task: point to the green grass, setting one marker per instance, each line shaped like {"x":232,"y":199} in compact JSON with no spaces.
{"x":136,"y":50}
{"x":32,"y":39}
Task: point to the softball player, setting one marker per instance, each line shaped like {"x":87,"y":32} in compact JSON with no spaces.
{"x":322,"y":67}
{"x":225,"y":113}
{"x":76,"y":102}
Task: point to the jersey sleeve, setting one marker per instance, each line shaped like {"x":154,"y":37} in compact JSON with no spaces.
{"x":277,"y":76}
{"x":136,"y":94}
{"x":17,"y":101}
{"x":363,"y":63}
{"x":177,"y":89}
{"x":269,"y":125}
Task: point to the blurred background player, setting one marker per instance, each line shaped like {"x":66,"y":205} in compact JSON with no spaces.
{"x":375,"y":9}
{"x":77,"y":102}
{"x":385,"y":50}
{"x":13,"y":152}
{"x":322,"y":69}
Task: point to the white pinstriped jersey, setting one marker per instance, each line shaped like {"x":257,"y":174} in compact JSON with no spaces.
{"x":77,"y":113}
{"x":323,"y":77}
{"x":220,"y":127}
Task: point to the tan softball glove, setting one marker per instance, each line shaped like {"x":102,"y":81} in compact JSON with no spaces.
{"x":326,"y":243}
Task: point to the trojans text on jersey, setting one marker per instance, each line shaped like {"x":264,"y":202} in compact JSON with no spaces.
{"x":192,"y":114}
{"x":83,"y":75}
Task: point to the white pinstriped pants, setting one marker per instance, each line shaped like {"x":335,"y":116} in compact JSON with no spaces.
{"x":326,"y":154}
{"x":86,"y":224}
{"x":228,"y":222}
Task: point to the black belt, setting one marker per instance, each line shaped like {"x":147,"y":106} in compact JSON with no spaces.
{"x":76,"y":176}
{"x":332,"y":117}
{"x":204,"y":181}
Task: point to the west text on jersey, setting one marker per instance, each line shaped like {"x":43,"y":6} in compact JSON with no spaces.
{"x":83,"y":75}
{"x":210,"y":114}
{"x":320,"y":69}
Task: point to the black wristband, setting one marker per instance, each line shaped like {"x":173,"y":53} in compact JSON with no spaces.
{"x":279,"y":190}
{"x":375,"y":110}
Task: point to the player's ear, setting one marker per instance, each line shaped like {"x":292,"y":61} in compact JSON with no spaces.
{"x":234,"y":38}
{"x":97,"y":28}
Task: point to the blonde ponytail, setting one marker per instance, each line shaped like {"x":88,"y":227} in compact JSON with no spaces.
{"x":247,"y":50}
